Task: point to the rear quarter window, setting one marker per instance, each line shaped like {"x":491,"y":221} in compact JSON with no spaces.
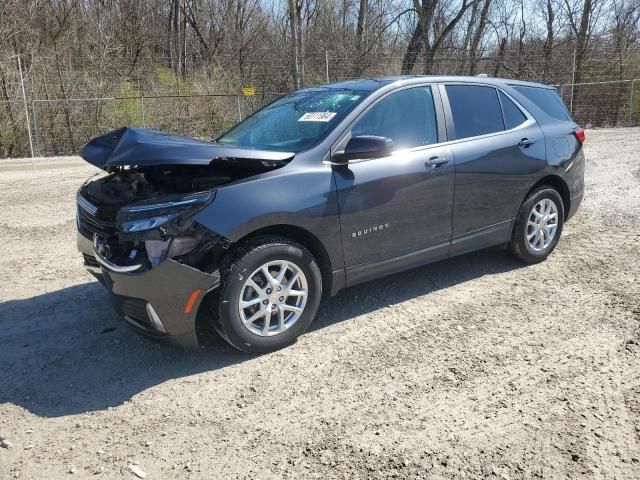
{"x":547,"y":100}
{"x":513,"y":116}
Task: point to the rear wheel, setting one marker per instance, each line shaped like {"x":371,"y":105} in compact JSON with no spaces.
{"x":269,"y":295}
{"x":538,"y":226}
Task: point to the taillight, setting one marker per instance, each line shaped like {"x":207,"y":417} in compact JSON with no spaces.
{"x":579,"y":133}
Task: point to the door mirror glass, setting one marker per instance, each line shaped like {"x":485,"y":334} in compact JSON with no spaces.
{"x":364,"y":147}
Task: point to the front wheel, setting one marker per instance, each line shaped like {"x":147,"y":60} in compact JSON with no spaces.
{"x":538,"y":226}
{"x":269,"y":295}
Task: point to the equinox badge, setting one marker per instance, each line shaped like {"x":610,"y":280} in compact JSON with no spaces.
{"x":368,"y":230}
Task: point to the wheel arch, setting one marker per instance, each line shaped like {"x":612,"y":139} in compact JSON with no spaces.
{"x":306,"y":239}
{"x":291,"y":232}
{"x":556,"y":182}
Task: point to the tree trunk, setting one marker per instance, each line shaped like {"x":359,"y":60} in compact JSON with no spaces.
{"x":295,"y":60}
{"x":477,"y":36}
{"x":500,"y":59}
{"x":582,"y":38}
{"x":345,"y":12}
{"x":183,"y":46}
{"x":467,"y":38}
{"x":581,"y":31}
{"x":51,"y":120}
{"x":191,"y":14}
{"x":63,"y":91}
{"x":5,"y":94}
{"x":361,"y":25}
{"x":169,"y":44}
{"x":176,"y":51}
{"x":523,"y":32}
{"x":428,"y":51}
{"x":299,"y":5}
{"x":413,"y":49}
{"x":428,"y":14}
{"x":547,"y":47}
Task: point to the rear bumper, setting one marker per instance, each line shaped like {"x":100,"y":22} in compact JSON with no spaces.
{"x":574,"y":177}
{"x":574,"y":204}
{"x":157,"y":303}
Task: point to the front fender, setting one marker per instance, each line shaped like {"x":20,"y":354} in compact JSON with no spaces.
{"x":305,"y":198}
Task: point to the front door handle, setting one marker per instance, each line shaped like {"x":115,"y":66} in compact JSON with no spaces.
{"x":436,"y":161}
{"x":525,"y":142}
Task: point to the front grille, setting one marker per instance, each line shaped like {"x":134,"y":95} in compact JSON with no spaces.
{"x":134,"y":309}
{"x":89,"y":221}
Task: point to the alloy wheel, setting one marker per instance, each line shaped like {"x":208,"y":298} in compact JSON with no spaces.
{"x":542,"y":224}
{"x":273,"y":298}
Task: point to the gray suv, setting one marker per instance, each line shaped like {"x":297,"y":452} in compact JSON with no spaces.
{"x":322,"y":189}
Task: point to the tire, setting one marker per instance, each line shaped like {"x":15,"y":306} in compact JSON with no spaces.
{"x":246,"y":264}
{"x":520,"y":246}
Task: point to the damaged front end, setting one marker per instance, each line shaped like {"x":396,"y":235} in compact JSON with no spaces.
{"x":138,"y":237}
{"x":139,"y":240}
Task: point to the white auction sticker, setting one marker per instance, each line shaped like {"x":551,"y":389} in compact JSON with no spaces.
{"x":317,"y":117}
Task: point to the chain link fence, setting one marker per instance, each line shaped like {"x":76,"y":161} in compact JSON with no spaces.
{"x":37,"y":122}
{"x":62,"y":127}
{"x":603,"y":104}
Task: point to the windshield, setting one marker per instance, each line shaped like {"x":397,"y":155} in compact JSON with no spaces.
{"x":295,"y":122}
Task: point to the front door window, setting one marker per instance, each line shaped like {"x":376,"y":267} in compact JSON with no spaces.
{"x":407,"y":117}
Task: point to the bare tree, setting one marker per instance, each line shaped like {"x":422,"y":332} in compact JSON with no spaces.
{"x":110,"y":48}
{"x":361,"y":25}
{"x":432,"y":29}
{"x":296,"y":42}
{"x":624,"y":32}
{"x":478,"y":33}
{"x":581,"y":16}
{"x":547,"y":8}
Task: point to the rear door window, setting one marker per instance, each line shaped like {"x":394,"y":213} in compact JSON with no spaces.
{"x":513,"y":116}
{"x":547,"y":100}
{"x":475,"y":109}
{"x":407,"y":117}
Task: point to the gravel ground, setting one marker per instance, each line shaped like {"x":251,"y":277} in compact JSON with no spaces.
{"x":475,"y":367}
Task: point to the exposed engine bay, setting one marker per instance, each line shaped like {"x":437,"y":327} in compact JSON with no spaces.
{"x":142,"y":215}
{"x":127,"y":185}
{"x":141,"y":212}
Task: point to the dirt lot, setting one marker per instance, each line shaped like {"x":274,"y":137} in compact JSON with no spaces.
{"x":475,"y":367}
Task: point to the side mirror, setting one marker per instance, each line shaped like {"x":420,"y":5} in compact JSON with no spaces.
{"x":364,"y":147}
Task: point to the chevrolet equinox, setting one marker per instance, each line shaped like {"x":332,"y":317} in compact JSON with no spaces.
{"x":322,"y":189}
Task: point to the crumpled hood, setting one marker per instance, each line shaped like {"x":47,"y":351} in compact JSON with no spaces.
{"x":130,"y":146}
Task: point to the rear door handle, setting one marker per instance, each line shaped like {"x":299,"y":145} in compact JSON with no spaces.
{"x":436,"y":161}
{"x":525,"y":142}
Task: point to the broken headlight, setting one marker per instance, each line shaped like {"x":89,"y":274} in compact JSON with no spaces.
{"x":150,"y":214}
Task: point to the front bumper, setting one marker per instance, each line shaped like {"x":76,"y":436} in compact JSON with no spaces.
{"x":154,"y":300}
